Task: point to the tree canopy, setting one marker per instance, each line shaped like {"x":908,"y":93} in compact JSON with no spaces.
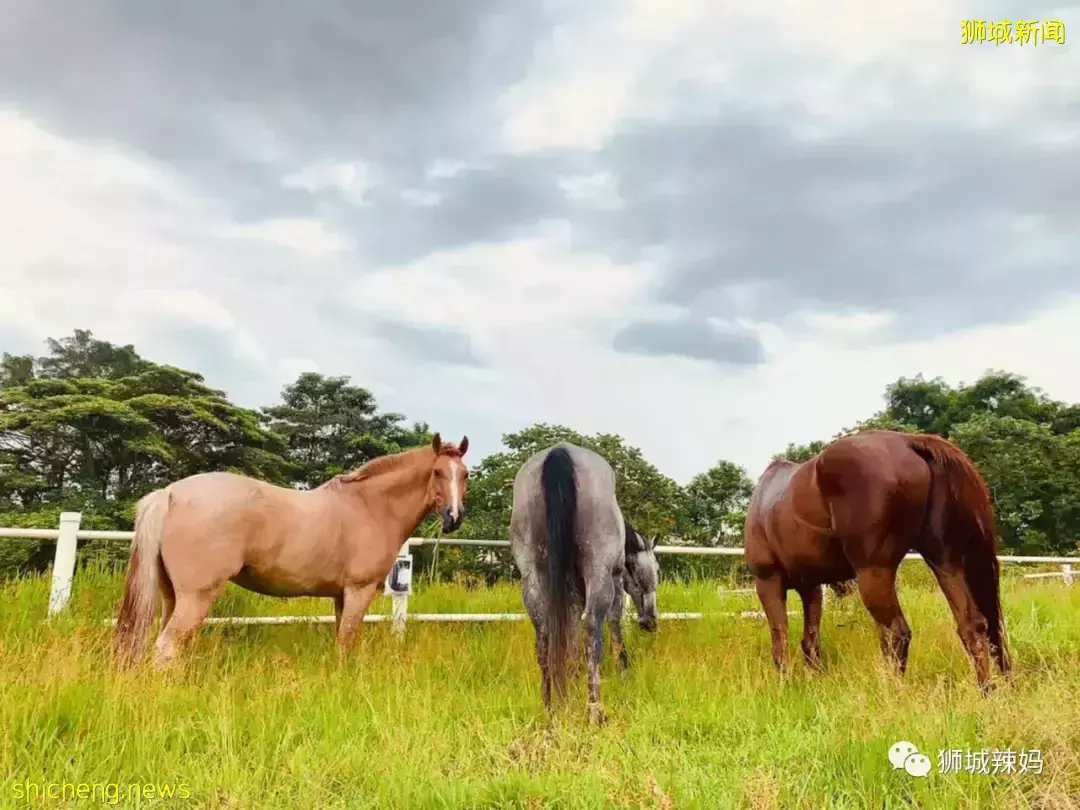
{"x":92,"y":426}
{"x":330,"y":427}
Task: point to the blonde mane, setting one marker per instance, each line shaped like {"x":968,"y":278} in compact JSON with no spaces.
{"x":380,"y":465}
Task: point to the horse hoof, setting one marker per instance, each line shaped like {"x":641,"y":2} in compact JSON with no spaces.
{"x":596,"y":715}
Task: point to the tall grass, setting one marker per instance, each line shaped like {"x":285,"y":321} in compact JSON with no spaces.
{"x":265,"y":717}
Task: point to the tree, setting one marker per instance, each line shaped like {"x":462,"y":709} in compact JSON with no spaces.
{"x":16,"y":370}
{"x":932,"y":406}
{"x":713,"y":505}
{"x":1033,"y":475}
{"x":81,"y":355}
{"x":801,"y":452}
{"x":101,"y":442}
{"x":330,"y":427}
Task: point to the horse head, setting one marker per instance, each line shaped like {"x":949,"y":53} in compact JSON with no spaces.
{"x":642,"y":574}
{"x":449,"y":482}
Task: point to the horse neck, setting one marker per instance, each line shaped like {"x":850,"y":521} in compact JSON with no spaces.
{"x":397,"y":499}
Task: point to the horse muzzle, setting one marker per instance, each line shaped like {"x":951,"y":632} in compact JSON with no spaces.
{"x":451,"y":523}
{"x":649,"y":624}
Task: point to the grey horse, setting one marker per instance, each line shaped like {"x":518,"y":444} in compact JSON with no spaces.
{"x":571,"y":545}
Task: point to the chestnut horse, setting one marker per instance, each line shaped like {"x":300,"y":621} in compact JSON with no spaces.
{"x":338,"y":540}
{"x":854,"y":510}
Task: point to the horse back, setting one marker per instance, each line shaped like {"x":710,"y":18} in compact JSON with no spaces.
{"x":224,"y":525}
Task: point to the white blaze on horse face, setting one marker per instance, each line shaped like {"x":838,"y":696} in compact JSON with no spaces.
{"x":455,"y":491}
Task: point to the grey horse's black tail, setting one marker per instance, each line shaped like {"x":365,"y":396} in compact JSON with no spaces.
{"x":560,"y":501}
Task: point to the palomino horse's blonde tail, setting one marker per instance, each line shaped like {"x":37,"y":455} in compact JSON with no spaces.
{"x":139,"y":603}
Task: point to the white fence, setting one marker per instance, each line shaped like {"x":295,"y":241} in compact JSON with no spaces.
{"x":399,"y":584}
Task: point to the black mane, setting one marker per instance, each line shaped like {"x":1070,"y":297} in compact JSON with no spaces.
{"x":635,"y":542}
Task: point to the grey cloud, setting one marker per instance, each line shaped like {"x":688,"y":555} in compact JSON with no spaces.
{"x":916,"y":220}
{"x":946,"y":222}
{"x":690,"y":338}
{"x":486,"y":203}
{"x":211,"y":353}
{"x":427,"y":344}
{"x":202,"y":85}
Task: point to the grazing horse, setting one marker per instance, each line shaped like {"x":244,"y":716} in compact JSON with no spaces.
{"x":338,"y":540}
{"x":569,"y":540}
{"x":854,"y":510}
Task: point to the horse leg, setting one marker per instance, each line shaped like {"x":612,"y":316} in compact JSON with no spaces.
{"x":615,"y":614}
{"x":971,"y":625}
{"x":877,"y":587}
{"x":811,"y":640}
{"x":339,"y":606}
{"x":355,"y":602}
{"x":772,"y":592}
{"x":597,"y":605}
{"x":576,"y":661}
{"x":189,"y":610}
{"x":168,"y":594}
{"x":542,"y":662}
{"x":532,"y":596}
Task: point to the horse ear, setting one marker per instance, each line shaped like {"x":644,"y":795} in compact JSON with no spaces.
{"x":464,"y":446}
{"x":436,"y":442}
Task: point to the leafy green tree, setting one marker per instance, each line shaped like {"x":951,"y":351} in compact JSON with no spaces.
{"x":932,"y":406}
{"x":97,"y":443}
{"x":649,"y":499}
{"x":16,"y":369}
{"x":713,"y":506}
{"x":330,"y":427}
{"x":1033,"y":475}
{"x":82,"y":355}
{"x":801,"y":452}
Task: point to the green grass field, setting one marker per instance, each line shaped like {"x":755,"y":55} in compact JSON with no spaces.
{"x":264,"y":717}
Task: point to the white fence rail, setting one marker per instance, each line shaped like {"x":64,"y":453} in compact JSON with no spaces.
{"x":399,"y":584}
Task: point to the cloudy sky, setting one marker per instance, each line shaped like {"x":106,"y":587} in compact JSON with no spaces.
{"x":710,"y":227}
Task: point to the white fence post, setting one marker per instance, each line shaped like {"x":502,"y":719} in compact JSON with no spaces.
{"x":64,"y":564}
{"x":399,"y":585}
{"x":1067,"y":573}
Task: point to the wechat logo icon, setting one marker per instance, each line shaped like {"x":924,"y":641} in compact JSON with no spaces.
{"x":905,"y":756}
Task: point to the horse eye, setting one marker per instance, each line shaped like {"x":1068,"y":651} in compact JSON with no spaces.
{"x":439,"y":473}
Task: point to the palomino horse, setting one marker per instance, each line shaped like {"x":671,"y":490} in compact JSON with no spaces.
{"x":854,"y":510}
{"x":568,"y":537}
{"x":338,"y":540}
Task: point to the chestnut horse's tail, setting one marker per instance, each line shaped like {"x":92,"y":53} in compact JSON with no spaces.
{"x":961,"y":512}
{"x":139,"y":602}
{"x":560,"y":501}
